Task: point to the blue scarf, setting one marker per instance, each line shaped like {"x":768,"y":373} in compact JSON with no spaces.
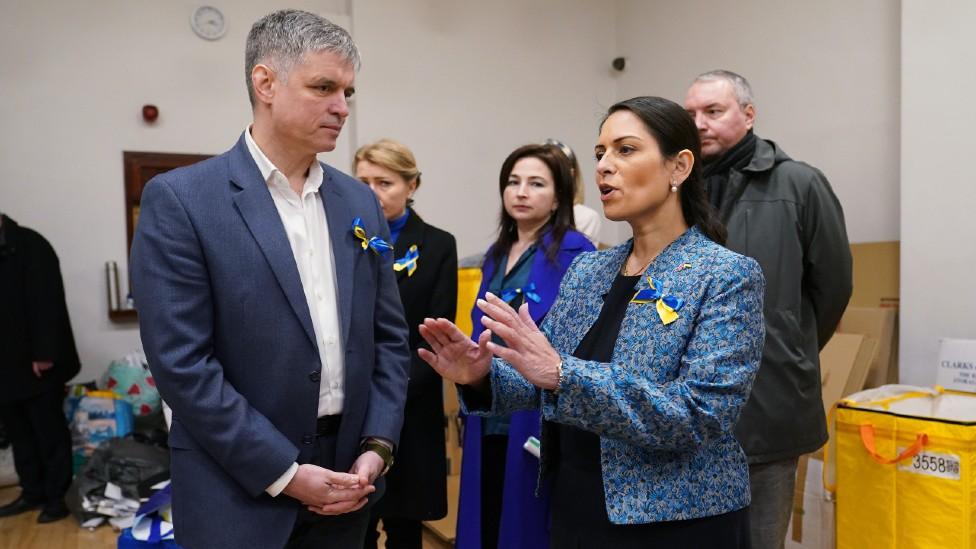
{"x":398,"y":224}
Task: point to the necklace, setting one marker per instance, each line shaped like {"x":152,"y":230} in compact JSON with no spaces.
{"x":624,"y":272}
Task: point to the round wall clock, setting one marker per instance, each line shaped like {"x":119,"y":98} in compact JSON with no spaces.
{"x":208,"y":22}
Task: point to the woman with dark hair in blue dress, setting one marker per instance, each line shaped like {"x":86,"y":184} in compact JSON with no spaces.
{"x":536,"y":244}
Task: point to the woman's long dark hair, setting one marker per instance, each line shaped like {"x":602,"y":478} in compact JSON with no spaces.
{"x":559,"y":222}
{"x":675,"y":131}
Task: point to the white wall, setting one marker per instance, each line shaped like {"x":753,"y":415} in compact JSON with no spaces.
{"x":465,"y":83}
{"x":462,"y":83}
{"x":825,"y":75}
{"x":75,"y":76}
{"x":938,"y":199}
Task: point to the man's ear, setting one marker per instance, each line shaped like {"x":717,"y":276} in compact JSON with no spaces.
{"x":750,"y":112}
{"x":264,"y":81}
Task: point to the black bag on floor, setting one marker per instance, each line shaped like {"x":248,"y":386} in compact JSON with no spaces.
{"x":132,"y":466}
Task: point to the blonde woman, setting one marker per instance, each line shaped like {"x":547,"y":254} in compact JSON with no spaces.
{"x":425,"y":260}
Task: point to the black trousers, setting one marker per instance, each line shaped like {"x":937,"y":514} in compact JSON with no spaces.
{"x":39,"y":435}
{"x":400,"y":533}
{"x":313,"y":531}
{"x":493,"y":452}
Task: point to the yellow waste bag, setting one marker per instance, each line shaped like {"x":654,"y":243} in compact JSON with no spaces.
{"x":904,"y":469}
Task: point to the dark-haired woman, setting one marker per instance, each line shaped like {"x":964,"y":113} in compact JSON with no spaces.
{"x":536,"y":244}
{"x":642,"y":365}
{"x":426,"y":265}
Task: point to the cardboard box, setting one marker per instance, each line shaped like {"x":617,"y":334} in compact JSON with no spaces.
{"x":844,"y":365}
{"x":812,"y":522}
{"x":879,"y":323}
{"x":876,"y":274}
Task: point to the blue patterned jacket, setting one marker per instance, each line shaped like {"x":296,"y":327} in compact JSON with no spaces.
{"x":666,"y":405}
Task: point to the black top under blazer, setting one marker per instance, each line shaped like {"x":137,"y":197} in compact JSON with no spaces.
{"x":417,"y":483}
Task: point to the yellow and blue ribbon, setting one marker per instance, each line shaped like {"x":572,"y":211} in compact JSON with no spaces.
{"x":375,"y":243}
{"x":529,"y":291}
{"x":667,"y":305}
{"x":408,"y":261}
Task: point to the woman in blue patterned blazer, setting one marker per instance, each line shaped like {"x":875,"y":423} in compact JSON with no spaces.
{"x":643,"y":363}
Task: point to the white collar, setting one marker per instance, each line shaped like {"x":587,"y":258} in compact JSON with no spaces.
{"x":268,"y":169}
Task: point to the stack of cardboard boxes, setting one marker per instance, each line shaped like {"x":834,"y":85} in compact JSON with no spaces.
{"x":863,"y":353}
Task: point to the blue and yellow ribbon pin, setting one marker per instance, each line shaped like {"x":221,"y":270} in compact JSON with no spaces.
{"x":375,"y":243}
{"x":667,"y":305}
{"x":529,"y":291}
{"x":408,"y":262}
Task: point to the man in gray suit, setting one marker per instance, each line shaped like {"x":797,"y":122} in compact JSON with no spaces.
{"x":269,"y":312}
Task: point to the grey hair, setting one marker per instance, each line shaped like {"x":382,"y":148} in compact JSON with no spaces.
{"x":281,"y":39}
{"x":740,"y":86}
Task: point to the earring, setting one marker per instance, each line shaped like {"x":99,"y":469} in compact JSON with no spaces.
{"x":674,"y":186}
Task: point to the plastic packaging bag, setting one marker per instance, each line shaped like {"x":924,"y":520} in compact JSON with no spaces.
{"x":129,"y":377}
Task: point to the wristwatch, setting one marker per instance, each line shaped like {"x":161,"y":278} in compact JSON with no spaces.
{"x":382,"y":450}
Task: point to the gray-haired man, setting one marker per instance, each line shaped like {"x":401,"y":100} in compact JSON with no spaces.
{"x":277,"y":338}
{"x":784,"y":214}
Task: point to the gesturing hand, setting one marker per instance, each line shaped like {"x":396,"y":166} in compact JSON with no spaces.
{"x":528,"y":351}
{"x":454,"y":356}
{"x":328,"y":492}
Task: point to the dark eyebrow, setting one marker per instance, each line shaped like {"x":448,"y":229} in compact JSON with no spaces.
{"x":618,"y":140}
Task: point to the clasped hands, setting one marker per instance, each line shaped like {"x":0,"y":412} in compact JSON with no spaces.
{"x":459,"y":359}
{"x":328,"y":492}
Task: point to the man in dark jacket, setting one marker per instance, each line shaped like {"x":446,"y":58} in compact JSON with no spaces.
{"x":37,"y":357}
{"x":784,"y":214}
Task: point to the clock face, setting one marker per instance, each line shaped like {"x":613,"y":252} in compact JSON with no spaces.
{"x":208,"y":22}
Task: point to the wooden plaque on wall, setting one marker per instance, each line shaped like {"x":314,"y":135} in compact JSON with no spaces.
{"x":139,"y":168}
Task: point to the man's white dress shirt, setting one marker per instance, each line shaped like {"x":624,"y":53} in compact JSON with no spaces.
{"x":308,"y":233}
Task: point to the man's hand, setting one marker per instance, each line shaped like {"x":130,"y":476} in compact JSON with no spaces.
{"x":41,"y":366}
{"x":368,"y":467}
{"x":455,"y":357}
{"x":328,"y":492}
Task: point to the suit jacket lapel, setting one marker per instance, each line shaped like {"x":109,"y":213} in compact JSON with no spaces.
{"x":256,"y":206}
{"x":344,"y":247}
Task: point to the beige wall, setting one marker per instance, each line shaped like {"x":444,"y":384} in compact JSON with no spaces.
{"x":74,"y":78}
{"x":938,"y":198}
{"x":825,"y":76}
{"x":465,"y":83}
{"x":462,"y":83}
